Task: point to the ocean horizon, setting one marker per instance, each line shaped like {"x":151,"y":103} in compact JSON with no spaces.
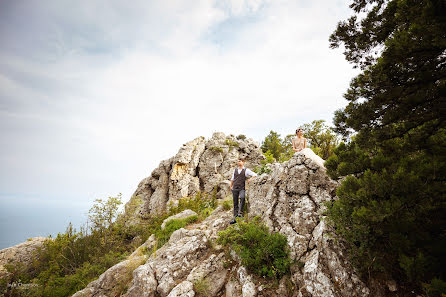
{"x":21,"y":219}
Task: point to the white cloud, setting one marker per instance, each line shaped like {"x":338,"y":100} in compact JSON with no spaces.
{"x":127,"y":85}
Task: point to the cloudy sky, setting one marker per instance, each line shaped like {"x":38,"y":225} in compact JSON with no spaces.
{"x":94,"y":94}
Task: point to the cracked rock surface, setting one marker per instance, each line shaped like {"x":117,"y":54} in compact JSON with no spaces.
{"x":199,"y":166}
{"x":290,"y":200}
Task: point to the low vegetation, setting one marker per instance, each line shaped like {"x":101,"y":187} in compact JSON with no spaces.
{"x":262,"y":252}
{"x":71,"y":260}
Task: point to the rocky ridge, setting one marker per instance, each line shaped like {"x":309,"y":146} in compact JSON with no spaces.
{"x":290,"y":200}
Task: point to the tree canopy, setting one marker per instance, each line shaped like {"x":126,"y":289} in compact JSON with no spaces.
{"x":392,"y":204}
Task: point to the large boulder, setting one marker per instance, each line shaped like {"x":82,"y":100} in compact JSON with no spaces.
{"x":21,"y":254}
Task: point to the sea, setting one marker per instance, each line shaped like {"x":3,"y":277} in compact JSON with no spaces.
{"x":23,"y":219}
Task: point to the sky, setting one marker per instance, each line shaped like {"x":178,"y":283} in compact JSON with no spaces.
{"x":94,"y":94}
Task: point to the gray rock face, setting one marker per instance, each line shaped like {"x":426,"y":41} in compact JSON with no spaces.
{"x":112,"y":281}
{"x":199,"y":166}
{"x":290,"y":200}
{"x":21,"y":253}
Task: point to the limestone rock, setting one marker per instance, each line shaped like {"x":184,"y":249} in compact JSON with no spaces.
{"x":184,"y":289}
{"x":211,"y":273}
{"x":22,"y":253}
{"x":113,"y":280}
{"x":289,"y":200}
{"x":187,"y":213}
{"x":248,"y":287}
{"x":201,"y":165}
{"x":173,"y":261}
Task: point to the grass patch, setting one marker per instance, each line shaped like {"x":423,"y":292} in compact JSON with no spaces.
{"x":227,"y":204}
{"x":163,"y":235}
{"x":202,"y":287}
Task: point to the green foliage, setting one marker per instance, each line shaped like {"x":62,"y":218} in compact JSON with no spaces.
{"x":321,"y":138}
{"x":274,"y":144}
{"x":264,"y":168}
{"x":262,"y":252}
{"x":203,"y":204}
{"x":241,"y":137}
{"x":231,"y":143}
{"x":102,"y":213}
{"x":436,"y":288}
{"x":392,"y":205}
{"x":227,"y":204}
{"x":216,"y":149}
{"x":163,"y":235}
{"x":70,"y":261}
{"x":202,"y":287}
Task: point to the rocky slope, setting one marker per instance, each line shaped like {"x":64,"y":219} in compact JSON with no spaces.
{"x":290,"y":200}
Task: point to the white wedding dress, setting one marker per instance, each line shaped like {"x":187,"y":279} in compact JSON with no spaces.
{"x":307,"y":152}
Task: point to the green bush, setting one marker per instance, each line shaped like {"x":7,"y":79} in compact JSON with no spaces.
{"x":241,"y":137}
{"x":436,"y":288}
{"x":216,"y":149}
{"x":203,"y":204}
{"x":264,"y":168}
{"x":227,"y":204}
{"x":264,"y":253}
{"x":231,"y":143}
{"x":72,"y":259}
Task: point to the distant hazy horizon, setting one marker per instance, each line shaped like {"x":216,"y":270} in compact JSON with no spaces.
{"x":21,"y":219}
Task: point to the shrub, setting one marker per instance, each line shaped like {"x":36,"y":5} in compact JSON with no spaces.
{"x":216,"y":149}
{"x":70,"y":261}
{"x":437,"y":288}
{"x":227,"y":204}
{"x":265,"y":254}
{"x":231,"y":143}
{"x":203,"y":204}
{"x":241,"y":137}
{"x":201,"y":287}
{"x":264,"y":167}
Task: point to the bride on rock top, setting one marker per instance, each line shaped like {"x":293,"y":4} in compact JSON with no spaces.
{"x":300,"y":146}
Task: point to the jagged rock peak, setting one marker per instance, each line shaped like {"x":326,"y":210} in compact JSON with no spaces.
{"x":290,"y":200}
{"x":201,"y":165}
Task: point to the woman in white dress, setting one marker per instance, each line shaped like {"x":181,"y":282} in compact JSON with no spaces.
{"x":299,"y":142}
{"x":300,"y":146}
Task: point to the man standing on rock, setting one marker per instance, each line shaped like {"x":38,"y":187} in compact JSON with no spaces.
{"x":238,"y":179}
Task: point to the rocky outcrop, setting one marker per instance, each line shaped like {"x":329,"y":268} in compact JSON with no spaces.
{"x":201,"y":165}
{"x":290,"y":200}
{"x":21,"y":254}
{"x":187,"y":213}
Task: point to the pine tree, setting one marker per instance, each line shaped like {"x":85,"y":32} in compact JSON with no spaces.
{"x":392,"y":204}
